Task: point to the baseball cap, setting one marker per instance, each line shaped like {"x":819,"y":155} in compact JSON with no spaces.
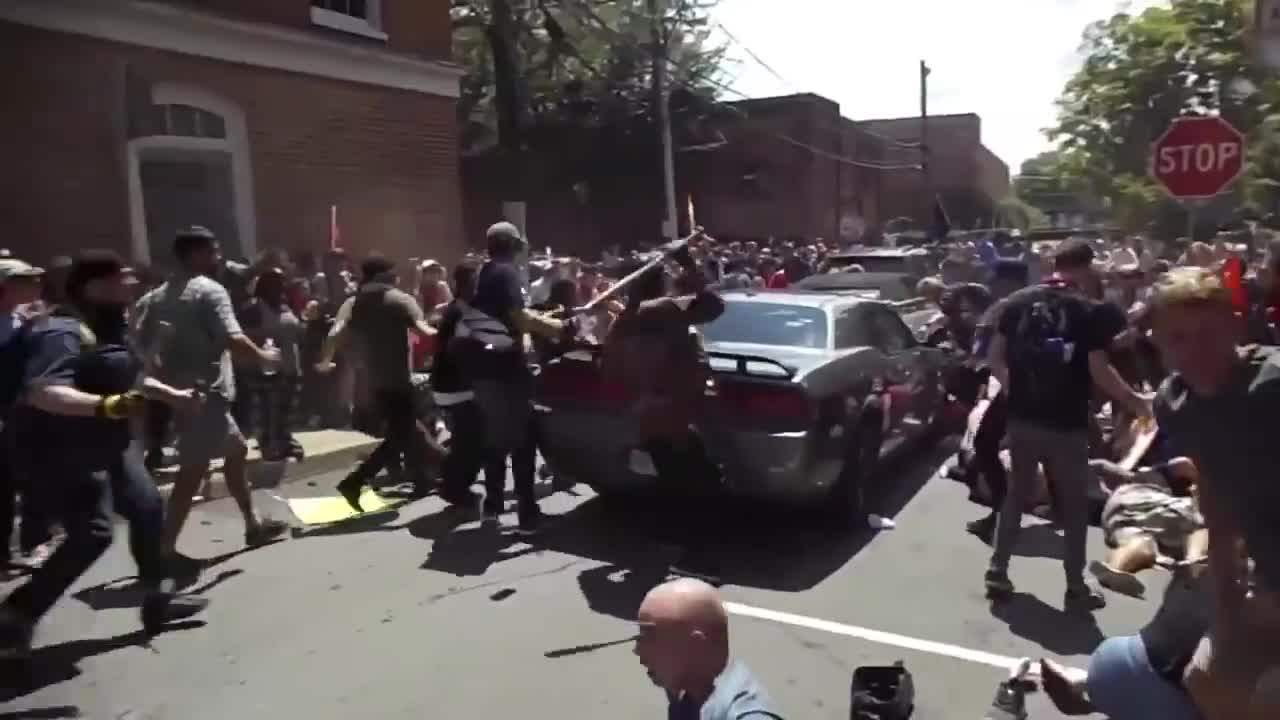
{"x":12,"y":267}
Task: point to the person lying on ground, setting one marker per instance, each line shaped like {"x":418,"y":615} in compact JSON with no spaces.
{"x":1149,"y":513}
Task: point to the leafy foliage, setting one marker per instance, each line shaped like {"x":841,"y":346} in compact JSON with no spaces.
{"x":577,"y":69}
{"x":1141,"y":71}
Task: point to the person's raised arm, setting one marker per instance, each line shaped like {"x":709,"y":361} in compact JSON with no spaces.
{"x":337,"y":334}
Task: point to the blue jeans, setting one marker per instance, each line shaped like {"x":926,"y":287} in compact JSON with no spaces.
{"x":1124,"y":686}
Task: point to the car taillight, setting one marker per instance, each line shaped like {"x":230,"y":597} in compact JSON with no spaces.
{"x":581,"y":383}
{"x":765,"y":401}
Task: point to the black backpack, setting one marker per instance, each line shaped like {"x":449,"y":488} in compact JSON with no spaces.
{"x":1042,"y":347}
{"x":884,"y":692}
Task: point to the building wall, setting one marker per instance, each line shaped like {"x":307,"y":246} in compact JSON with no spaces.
{"x":964,"y":173}
{"x":386,"y":157}
{"x":420,"y":27}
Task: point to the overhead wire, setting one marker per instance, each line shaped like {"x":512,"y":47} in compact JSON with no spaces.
{"x":601,"y":25}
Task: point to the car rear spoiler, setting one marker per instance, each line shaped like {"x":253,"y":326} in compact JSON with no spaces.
{"x":743,"y":360}
{"x":915,"y":304}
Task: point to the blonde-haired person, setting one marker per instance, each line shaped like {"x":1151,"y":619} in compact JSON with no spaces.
{"x":1221,"y":408}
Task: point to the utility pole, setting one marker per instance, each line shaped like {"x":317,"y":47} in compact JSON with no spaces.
{"x":924,"y":136}
{"x":663,"y":118}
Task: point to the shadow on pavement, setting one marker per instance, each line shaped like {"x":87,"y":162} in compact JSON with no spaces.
{"x":747,"y":544}
{"x":471,"y":551}
{"x":1061,"y":633}
{"x":1039,"y":540}
{"x":53,"y":664}
{"x":52,"y":712}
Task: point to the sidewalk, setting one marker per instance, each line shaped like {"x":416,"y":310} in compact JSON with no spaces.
{"x":326,"y":451}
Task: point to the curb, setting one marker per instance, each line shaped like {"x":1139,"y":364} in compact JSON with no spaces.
{"x":274,"y":474}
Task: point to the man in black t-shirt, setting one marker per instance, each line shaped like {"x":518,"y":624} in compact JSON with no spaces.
{"x":501,"y":381}
{"x":1049,"y":349}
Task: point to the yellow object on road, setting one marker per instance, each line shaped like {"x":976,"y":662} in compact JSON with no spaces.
{"x":323,"y":510}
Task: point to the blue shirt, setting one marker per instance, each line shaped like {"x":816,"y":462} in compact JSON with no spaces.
{"x":736,"y":695}
{"x":60,"y":352}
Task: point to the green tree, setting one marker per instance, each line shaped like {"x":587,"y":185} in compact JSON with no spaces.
{"x":537,"y":69}
{"x":1141,"y":71}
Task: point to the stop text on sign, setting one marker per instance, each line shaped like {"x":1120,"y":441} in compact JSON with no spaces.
{"x":1203,"y":157}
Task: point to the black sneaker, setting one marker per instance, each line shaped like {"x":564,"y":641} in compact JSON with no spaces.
{"x":265,"y":531}
{"x":998,"y":583}
{"x":1084,"y":598}
{"x":350,"y":488}
{"x":160,"y":609}
{"x":15,"y":638}
{"x":984,"y":528}
{"x":491,"y":511}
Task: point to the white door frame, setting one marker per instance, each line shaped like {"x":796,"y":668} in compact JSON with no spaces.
{"x":236,"y":144}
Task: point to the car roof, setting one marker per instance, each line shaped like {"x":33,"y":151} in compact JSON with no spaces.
{"x":807,"y":298}
{"x":873,"y":252}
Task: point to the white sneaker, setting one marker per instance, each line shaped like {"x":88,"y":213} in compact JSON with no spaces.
{"x":875,"y":522}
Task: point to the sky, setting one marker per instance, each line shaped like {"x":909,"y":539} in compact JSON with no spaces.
{"x":1006,"y":60}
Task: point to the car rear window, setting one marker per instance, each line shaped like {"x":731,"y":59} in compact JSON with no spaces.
{"x":874,"y":263}
{"x":769,"y":324}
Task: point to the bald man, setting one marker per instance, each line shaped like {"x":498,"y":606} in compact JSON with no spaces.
{"x":684,"y":644}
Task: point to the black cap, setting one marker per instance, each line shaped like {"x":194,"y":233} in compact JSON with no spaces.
{"x":90,"y":265}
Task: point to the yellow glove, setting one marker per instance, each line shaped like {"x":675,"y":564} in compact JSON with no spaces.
{"x":122,"y":406}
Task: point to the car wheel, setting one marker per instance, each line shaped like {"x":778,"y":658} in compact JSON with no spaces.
{"x":845,"y":507}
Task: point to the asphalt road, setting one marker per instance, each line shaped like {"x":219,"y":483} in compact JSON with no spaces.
{"x":419,"y":613}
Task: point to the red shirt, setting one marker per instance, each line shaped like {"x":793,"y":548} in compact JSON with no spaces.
{"x":778,"y":280}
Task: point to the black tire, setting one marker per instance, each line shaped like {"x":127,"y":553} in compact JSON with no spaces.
{"x":846,"y":506}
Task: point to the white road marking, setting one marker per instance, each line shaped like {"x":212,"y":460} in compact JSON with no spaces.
{"x":875,"y":636}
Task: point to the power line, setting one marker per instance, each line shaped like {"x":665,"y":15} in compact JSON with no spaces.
{"x":598,"y":22}
{"x":790,"y":140}
{"x":894,"y":143}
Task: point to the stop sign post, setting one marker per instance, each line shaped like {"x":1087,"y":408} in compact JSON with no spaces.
{"x":1198,"y":157}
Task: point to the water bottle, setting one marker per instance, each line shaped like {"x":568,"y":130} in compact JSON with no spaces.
{"x":270,"y":368}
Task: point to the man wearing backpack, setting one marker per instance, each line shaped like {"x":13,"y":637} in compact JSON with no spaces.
{"x":1049,"y":350}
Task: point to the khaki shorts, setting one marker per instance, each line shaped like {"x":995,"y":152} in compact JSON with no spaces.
{"x":205,"y":435}
{"x":1146,"y":511}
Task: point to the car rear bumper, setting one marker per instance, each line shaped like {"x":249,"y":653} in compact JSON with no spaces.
{"x":601,"y":450}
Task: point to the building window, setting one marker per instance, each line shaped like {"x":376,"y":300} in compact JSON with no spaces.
{"x":187,"y":121}
{"x":358,"y":17}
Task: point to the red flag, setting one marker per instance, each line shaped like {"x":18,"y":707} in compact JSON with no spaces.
{"x":1233,"y":280}
{"x":335,"y":235}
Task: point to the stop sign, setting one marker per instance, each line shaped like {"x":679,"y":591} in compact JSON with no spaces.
{"x":1198,"y":157}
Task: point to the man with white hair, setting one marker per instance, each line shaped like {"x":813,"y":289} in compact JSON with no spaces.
{"x":684,"y":645}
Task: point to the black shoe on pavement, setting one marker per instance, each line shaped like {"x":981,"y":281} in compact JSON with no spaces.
{"x":1084,"y":598}
{"x":998,"y":583}
{"x":265,"y":531}
{"x":491,"y":511}
{"x":160,"y":609}
{"x":984,"y":528}
{"x":351,"y":488}
{"x":529,"y":521}
{"x":15,"y":637}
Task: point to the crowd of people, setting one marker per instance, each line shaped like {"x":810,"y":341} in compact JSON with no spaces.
{"x":1070,"y":357}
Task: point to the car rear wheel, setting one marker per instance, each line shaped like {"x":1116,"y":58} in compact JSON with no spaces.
{"x":846,"y":507}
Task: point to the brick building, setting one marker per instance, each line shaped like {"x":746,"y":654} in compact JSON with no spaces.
{"x":791,"y":167}
{"x":968,"y":177}
{"x":125,"y":120}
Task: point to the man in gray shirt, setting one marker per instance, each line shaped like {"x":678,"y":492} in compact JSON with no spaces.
{"x":187,"y":331}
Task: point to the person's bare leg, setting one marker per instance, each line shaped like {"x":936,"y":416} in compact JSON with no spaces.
{"x":184,"y":490}
{"x":1197,"y":545}
{"x":237,"y":479}
{"x":1066,"y":688}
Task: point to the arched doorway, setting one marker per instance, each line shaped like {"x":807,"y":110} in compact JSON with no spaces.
{"x":191,"y":168}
